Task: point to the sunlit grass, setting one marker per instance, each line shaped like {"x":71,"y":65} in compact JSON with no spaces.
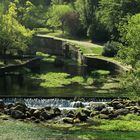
{"x":106,"y":130}
{"x":85,"y":46}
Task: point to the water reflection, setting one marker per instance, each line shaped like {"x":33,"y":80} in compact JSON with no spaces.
{"x":22,"y":85}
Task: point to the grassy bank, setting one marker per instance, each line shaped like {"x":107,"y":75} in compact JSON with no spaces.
{"x":107,"y":130}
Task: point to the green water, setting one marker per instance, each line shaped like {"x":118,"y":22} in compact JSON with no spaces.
{"x":23,"y":85}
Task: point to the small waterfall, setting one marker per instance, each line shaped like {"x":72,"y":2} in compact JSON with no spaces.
{"x":55,"y":102}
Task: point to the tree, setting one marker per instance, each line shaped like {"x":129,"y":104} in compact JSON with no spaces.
{"x":112,"y":12}
{"x":130,"y":33}
{"x":57,"y":16}
{"x":31,"y":16}
{"x":12,"y":34}
{"x":72,"y":23}
{"x":87,"y":10}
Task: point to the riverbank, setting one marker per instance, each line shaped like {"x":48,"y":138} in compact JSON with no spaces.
{"x":125,"y":125}
{"x":31,"y":131}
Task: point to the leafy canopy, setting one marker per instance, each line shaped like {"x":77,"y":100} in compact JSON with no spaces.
{"x":131,"y":38}
{"x":12,"y":33}
{"x":56,"y":15}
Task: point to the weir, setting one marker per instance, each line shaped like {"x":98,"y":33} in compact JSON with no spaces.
{"x":61,"y":103}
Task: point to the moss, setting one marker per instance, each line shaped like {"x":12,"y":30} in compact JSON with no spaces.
{"x":46,"y":57}
{"x":55,"y":79}
{"x":100,"y":73}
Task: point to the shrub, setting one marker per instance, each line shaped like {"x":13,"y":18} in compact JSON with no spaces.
{"x":111,"y":49}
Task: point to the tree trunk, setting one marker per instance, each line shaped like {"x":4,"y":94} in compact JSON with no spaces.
{"x":4,"y":56}
{"x":62,"y":28}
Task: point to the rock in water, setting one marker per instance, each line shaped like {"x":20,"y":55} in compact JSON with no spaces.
{"x":78,"y":104}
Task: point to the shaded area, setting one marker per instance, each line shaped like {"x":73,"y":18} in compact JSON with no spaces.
{"x":24,"y":85}
{"x":10,"y":129}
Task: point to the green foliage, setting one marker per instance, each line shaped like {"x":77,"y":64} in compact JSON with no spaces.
{"x":77,"y":79}
{"x":130,"y":81}
{"x":121,"y":125}
{"x":129,"y":54}
{"x":130,"y":36}
{"x":87,"y":11}
{"x":40,"y":54}
{"x":32,"y":16}
{"x":97,"y":32}
{"x":111,"y":49}
{"x":99,"y":73}
{"x":12,"y":34}
{"x":72,"y":24}
{"x":57,"y":15}
{"x":1,"y":8}
{"x":112,"y":12}
{"x":131,"y":117}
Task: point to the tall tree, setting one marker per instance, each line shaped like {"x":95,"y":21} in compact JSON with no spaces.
{"x":130,"y":33}
{"x":111,"y":12}
{"x":87,"y":10}
{"x":12,"y":34}
{"x":57,"y":16}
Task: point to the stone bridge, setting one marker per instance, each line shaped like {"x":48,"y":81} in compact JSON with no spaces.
{"x":62,"y":47}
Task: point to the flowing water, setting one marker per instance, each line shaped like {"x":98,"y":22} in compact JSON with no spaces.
{"x":55,"y":102}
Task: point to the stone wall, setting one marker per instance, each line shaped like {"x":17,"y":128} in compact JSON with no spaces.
{"x":56,"y":47}
{"x":99,"y":63}
{"x":32,"y":64}
{"x":47,"y":45}
{"x":60,"y":47}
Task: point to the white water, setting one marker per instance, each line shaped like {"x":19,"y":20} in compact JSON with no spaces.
{"x":59,"y":103}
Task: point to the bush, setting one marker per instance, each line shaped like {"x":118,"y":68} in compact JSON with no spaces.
{"x":97,"y":33}
{"x":111,"y":49}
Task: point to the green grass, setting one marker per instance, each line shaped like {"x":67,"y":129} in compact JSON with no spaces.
{"x":89,"y":49}
{"x":85,"y":46}
{"x":16,"y":130}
